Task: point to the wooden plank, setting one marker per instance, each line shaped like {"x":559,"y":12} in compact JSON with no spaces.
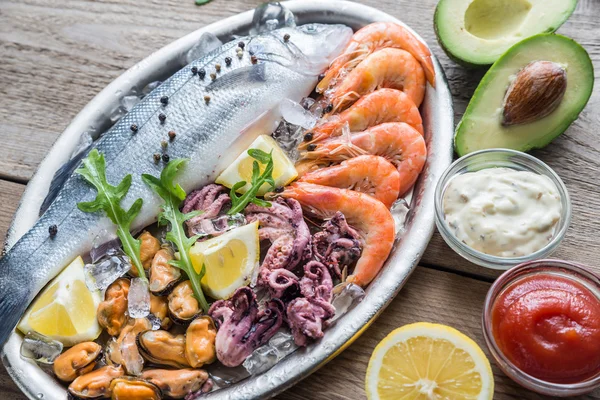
{"x":429,"y":295}
{"x":10,"y":193}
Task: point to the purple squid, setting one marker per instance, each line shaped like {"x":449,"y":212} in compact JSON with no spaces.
{"x":284,"y":226}
{"x":242,"y":327}
{"x":307,"y":316}
{"x":337,"y":245}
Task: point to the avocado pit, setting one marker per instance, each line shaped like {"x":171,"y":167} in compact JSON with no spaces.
{"x":535,"y":93}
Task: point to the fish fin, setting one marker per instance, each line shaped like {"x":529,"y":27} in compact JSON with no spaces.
{"x":252,"y":74}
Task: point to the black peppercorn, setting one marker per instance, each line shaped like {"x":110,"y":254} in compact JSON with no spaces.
{"x":162,"y":118}
{"x":165,"y":158}
{"x":134,"y":128}
{"x":286,"y":37}
{"x":228,"y":61}
{"x":194,"y":70}
{"x":241,"y":45}
{"x":202,"y":74}
{"x":52,"y":230}
{"x":164,"y":100}
{"x":156,"y":157}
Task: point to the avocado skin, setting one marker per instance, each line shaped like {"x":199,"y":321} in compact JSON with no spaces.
{"x":472,"y":64}
{"x":568,"y":118}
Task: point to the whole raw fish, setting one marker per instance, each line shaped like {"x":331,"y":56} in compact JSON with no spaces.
{"x":215,"y":113}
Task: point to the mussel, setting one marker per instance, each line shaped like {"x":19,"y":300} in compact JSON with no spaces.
{"x":163,"y":348}
{"x":159,"y":307}
{"x":124,"y":350}
{"x":183,"y":306}
{"x":163,"y":276}
{"x":112,"y":312}
{"x":176,"y":383}
{"x":200,"y":342}
{"x":78,"y":360}
{"x":127,"y":388}
{"x":95,"y":384}
{"x":148,"y":247}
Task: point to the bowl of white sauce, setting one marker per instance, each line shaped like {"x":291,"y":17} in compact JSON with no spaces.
{"x":498,"y":208}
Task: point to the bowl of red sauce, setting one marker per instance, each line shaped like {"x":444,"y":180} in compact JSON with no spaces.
{"x":541,"y":323}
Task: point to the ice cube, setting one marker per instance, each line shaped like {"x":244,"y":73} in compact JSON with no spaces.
{"x":399,"y":211}
{"x":223,"y":376}
{"x":220,"y":224}
{"x":104,"y":244}
{"x":40,"y":348}
{"x":116,"y":114}
{"x":128,"y":102}
{"x":150,"y":87}
{"x":265,"y":357}
{"x":288,"y":137}
{"x":138,"y":299}
{"x":345,"y":297}
{"x":99,"y":275}
{"x":270,"y":16}
{"x":207,"y":43}
{"x":85,"y":141}
{"x":296,"y":114}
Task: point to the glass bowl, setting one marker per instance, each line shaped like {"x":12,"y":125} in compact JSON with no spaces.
{"x":494,"y":158}
{"x":561,"y":268}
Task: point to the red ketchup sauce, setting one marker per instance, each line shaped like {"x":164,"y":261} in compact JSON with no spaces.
{"x":548,"y":326}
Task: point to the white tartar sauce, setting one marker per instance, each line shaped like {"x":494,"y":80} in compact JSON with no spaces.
{"x":501,"y":211}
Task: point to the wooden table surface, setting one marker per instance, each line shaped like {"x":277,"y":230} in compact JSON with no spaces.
{"x":55,"y":55}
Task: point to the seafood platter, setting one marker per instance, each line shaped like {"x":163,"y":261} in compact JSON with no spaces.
{"x":244,"y":202}
{"x":239,"y":225}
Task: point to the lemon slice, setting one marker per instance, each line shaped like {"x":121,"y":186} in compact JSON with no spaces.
{"x":425,"y":361}
{"x":230,"y":260}
{"x":241,"y":170}
{"x":66,"y":309}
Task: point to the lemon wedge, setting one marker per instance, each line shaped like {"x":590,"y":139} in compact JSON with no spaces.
{"x":230,"y":260}
{"x":66,"y":309}
{"x":426,"y":361}
{"x":284,"y":171}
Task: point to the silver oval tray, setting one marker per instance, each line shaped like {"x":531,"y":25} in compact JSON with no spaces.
{"x":439,"y":126}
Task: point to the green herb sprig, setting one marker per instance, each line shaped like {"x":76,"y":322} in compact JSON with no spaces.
{"x":109,"y":199}
{"x":173,"y":195}
{"x":239,"y":202}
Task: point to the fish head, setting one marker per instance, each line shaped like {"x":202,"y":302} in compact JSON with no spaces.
{"x":315,"y":46}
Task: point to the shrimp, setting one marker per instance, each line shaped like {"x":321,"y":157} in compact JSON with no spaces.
{"x":397,"y":142}
{"x":371,"y":38}
{"x":373,"y":175}
{"x":384,"y":105}
{"x":387,"y":68}
{"x":370,"y":217}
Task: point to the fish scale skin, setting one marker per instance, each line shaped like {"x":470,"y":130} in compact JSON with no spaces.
{"x":205,"y":135}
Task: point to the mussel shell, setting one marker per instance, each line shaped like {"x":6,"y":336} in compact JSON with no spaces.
{"x":183,"y":306}
{"x":162,"y":348}
{"x":78,"y":360}
{"x":163,"y":277}
{"x":128,"y":388}
{"x":95,"y":384}
{"x":200,"y":339}
{"x":176,"y":383}
{"x":112,"y":312}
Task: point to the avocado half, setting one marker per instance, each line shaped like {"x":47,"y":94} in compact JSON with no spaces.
{"x":481,"y":126}
{"x":477,"y":32}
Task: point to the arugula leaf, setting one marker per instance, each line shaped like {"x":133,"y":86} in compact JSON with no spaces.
{"x":239,"y":202}
{"x":173,"y":195}
{"x":109,"y":199}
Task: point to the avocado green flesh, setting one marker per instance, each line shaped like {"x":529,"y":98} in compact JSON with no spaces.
{"x":478,"y":32}
{"x":481,"y":127}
